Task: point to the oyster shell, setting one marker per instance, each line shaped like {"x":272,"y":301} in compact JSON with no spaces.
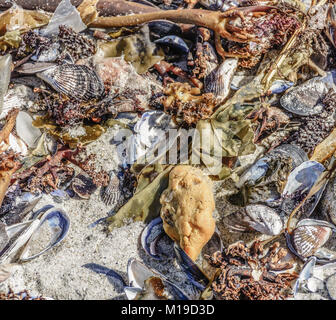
{"x":78,"y":82}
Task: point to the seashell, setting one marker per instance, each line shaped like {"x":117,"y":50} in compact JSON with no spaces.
{"x":25,"y":129}
{"x":310,"y":235}
{"x":34,"y":67}
{"x":219,"y":80}
{"x":52,"y":229}
{"x":138,"y":274}
{"x":257,"y":217}
{"x":331,"y":286}
{"x":302,"y":178}
{"x":78,"y":82}
{"x":193,"y":272}
{"x":162,"y":28}
{"x":305,"y":99}
{"x":112,"y":193}
{"x":214,"y":244}
{"x":305,"y":274}
{"x":5,"y":73}
{"x":83,"y":186}
{"x":147,"y":237}
{"x":175,"y":43}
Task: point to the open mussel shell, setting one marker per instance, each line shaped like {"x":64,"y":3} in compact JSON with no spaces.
{"x":53,"y":228}
{"x":308,"y":237}
{"x":194,"y":273}
{"x":299,"y":183}
{"x":305,"y":99}
{"x":78,"y":82}
{"x":138,"y":274}
{"x":149,"y":236}
{"x":260,"y":168}
{"x":255,"y":217}
{"x":305,"y":274}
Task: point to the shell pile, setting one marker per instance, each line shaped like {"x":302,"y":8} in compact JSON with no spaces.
{"x":182,"y":149}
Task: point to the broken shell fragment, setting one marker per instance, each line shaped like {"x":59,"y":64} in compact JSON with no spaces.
{"x":187,"y":207}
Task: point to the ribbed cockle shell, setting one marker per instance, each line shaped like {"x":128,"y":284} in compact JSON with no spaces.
{"x":78,"y":82}
{"x":307,"y":239}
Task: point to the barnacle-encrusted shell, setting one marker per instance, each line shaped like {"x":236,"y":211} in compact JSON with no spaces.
{"x":308,"y":238}
{"x":78,"y":82}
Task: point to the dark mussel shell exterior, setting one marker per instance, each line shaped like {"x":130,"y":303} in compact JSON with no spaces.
{"x":162,"y":28}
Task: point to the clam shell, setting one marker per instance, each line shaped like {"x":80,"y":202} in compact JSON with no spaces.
{"x":78,"y":82}
{"x":309,"y":236}
{"x":219,"y":80}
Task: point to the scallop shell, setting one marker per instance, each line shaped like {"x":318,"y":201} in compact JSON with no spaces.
{"x":78,"y":82}
{"x":309,"y":236}
{"x":219,"y":80}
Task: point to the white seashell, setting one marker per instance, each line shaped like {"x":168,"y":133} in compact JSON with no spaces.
{"x":5,"y":72}
{"x":25,"y":129}
{"x":219,"y":80}
{"x":331,"y":286}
